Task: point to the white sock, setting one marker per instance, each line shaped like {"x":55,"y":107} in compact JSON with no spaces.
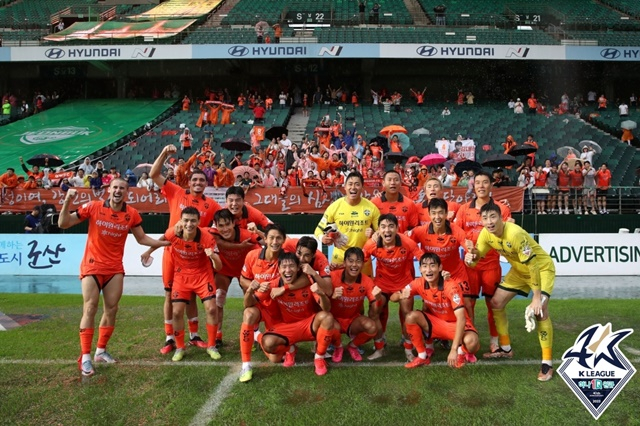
{"x":168,"y":338}
{"x":100,"y":351}
{"x":493,"y":340}
{"x":547,"y":361}
{"x":86,"y":357}
{"x":422,"y":355}
{"x":316,"y":356}
{"x":506,"y":348}
{"x":246,"y":365}
{"x":460,"y":351}
{"x":256,"y":334}
{"x":193,"y":335}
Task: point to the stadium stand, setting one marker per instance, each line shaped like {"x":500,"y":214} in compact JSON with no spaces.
{"x":31,"y":14}
{"x":630,"y":7}
{"x":606,"y":38}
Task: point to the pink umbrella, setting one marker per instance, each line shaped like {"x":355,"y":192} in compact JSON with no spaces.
{"x":432,"y":160}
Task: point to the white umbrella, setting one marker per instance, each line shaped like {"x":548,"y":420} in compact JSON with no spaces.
{"x":629,"y":125}
{"x":591,"y":144}
{"x":563,"y":151}
{"x":262,"y":26}
{"x":421,"y":131}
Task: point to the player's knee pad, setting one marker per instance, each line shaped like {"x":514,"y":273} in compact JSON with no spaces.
{"x":221,"y":298}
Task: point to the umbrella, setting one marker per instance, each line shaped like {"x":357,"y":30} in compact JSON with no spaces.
{"x":403,"y":139}
{"x":396,"y":157}
{"x":629,"y":124}
{"x":276,"y":132}
{"x":523,"y":149}
{"x":571,"y":162}
{"x":467,"y":165}
{"x":382,"y":143}
{"x":421,"y":131}
{"x":591,"y":144}
{"x":262,"y":26}
{"x":563,"y":151}
{"x":413,"y":161}
{"x":394,"y":128}
{"x":322,"y":129}
{"x":45,"y":160}
{"x":236,"y":144}
{"x":500,"y":160}
{"x":432,"y":160}
{"x":241,"y":170}
{"x":142,"y":168}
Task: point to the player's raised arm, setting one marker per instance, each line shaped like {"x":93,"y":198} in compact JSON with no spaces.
{"x":156,"y":170}
{"x":66,"y":219}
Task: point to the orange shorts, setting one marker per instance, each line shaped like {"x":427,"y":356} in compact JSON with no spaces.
{"x":294,"y":332}
{"x":268,"y":316}
{"x":461,"y":278}
{"x":167,"y":269}
{"x":486,"y":280}
{"x":444,"y":330}
{"x":345,"y":324}
{"x":184,"y":285}
{"x":101,"y":280}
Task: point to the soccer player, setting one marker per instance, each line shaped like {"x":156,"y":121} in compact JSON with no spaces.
{"x":349,"y":290}
{"x":233,"y":259}
{"x":193,"y":255}
{"x":246,"y":216}
{"x":394,"y":254}
{"x":354,"y":216}
{"x":179,"y":198}
{"x":392,"y":201}
{"x":532,"y":270}
{"x":101,"y":269}
{"x":312,"y":261}
{"x":487,"y":274}
{"x":442,"y":317}
{"x":433,"y":189}
{"x":302,"y":321}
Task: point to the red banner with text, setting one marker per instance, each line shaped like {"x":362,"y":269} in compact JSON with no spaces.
{"x":267,"y":200}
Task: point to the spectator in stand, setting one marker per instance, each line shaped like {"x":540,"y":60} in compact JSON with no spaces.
{"x":35,"y":170}
{"x":518,"y":107}
{"x":375,"y":13}
{"x":440,"y":10}
{"x":508,"y":144}
{"x":224,"y":177}
{"x":86,"y":167}
{"x":6,"y":107}
{"x":145,"y":182}
{"x":552,"y":185}
{"x":445,"y":112}
{"x":185,"y":140}
{"x":532,"y":103}
{"x":8,"y":180}
{"x":511,"y":104}
{"x":79,"y":181}
{"x":32,"y":220}
{"x":268,"y":180}
{"x":623,"y":109}
{"x":99,"y":168}
{"x":589,"y":191}
{"x":563,"y":187}
{"x":576,"y":183}
{"x":602,"y":103}
{"x":171,"y":176}
{"x":470,"y":98}
{"x":419,"y":96}
{"x":633,"y":100}
{"x":603,"y":183}
{"x":258,"y":113}
{"x":30,"y":183}
{"x":95,"y":182}
{"x":186,"y":103}
{"x":131,"y":178}
{"x":534,"y":144}
{"x":587,"y":154}
{"x":361,"y":11}
{"x":282,"y":99}
{"x":65,"y":185}
{"x":540,"y":187}
{"x":277,"y":33}
{"x":24,"y":109}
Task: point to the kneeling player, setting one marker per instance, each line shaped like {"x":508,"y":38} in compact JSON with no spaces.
{"x":193,"y":253}
{"x":301,"y":320}
{"x":350,"y":288}
{"x":443,"y":315}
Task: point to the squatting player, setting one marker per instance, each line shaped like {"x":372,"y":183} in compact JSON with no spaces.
{"x":532,"y":270}
{"x":101,"y":269}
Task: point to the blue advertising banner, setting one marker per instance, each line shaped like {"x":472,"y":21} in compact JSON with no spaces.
{"x":41,"y":254}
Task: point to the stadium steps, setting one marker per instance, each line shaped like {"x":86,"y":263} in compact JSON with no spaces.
{"x":216,"y":19}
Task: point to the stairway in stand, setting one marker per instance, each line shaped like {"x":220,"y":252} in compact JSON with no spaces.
{"x":297,"y":126}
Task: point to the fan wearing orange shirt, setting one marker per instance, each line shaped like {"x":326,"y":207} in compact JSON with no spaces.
{"x":183,"y":170}
{"x":392,"y":201}
{"x":603,"y":183}
{"x":193,"y":253}
{"x":488,"y":273}
{"x":214,"y":109}
{"x":224,"y":177}
{"x":394,"y":269}
{"x":101,"y":269}
{"x":324,"y":163}
{"x":433,"y":189}
{"x":9,"y":179}
{"x":304,"y":312}
{"x":576,"y":181}
{"x":419,"y":96}
{"x":349,"y":290}
{"x":227,"y":109}
{"x":442,"y":316}
{"x":178,"y":198}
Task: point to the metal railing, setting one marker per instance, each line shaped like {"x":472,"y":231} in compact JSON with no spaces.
{"x":618,"y":200}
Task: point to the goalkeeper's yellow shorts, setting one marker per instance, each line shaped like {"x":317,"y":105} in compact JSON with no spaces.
{"x":521,"y":284}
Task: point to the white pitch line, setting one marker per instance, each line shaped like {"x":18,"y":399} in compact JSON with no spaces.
{"x":208,"y":410}
{"x":632,"y":350}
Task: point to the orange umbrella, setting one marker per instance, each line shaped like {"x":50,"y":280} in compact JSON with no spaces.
{"x":393,"y":128}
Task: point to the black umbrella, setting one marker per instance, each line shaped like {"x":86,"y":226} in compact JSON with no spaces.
{"x":276,"y":132}
{"x":467,"y":165}
{"x":236,"y":144}
{"x":45,"y":160}
{"x":500,"y":160}
{"x":396,"y":157}
{"x":524,"y":149}
{"x":382,"y":142}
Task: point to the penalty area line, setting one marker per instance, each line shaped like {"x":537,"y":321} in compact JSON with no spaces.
{"x":207,"y":412}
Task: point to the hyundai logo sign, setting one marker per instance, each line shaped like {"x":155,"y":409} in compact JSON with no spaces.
{"x":238,"y":51}
{"x":427,"y":51}
{"x":610,"y":53}
{"x":54,"y":53}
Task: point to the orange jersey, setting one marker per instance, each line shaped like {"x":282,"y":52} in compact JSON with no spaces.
{"x":563,"y":180}
{"x":350,"y":304}
{"x":294,"y":305}
{"x":446,"y":246}
{"x":469,"y":219}
{"x":257,"y":267}
{"x":603,"y":179}
{"x":394,"y":268}
{"x":224,"y":179}
{"x":8,"y":181}
{"x":576,"y":179}
{"x":423,"y":211}
{"x":179,"y":198}
{"x":107,"y":235}
{"x":404,"y":209}
{"x":189,"y":257}
{"x":251,"y":214}
{"x":320,"y":261}
{"x":440,"y":302}
{"x":233,"y":259}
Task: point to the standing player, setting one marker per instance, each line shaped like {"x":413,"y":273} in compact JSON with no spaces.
{"x":101,"y":269}
{"x":433,"y":189}
{"x":354,"y":216}
{"x":179,"y":198}
{"x":301,"y":319}
{"x":394,"y":255}
{"x":487,"y":274}
{"x":532,"y":269}
{"x":392,"y":201}
{"x":442,"y":317}
{"x":349,"y":290}
{"x":246,"y":216}
{"x":226,"y":230}
{"x":193,"y":253}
